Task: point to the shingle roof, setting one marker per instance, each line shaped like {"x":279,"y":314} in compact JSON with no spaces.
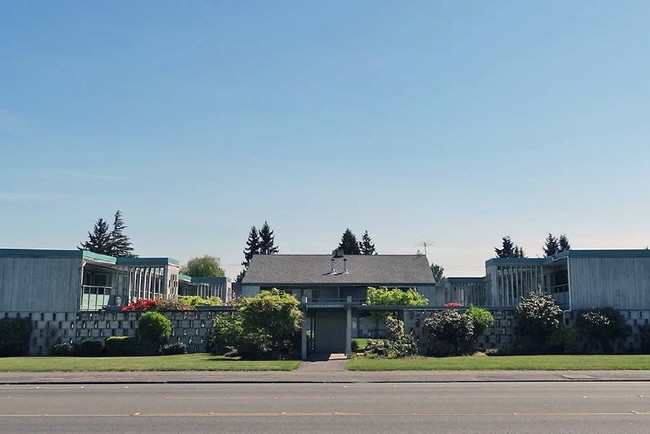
{"x":315,"y":269}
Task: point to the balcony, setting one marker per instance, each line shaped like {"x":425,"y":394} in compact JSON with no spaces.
{"x":95,"y":297}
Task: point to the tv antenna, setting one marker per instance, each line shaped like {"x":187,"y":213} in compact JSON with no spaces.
{"x":425,"y":244}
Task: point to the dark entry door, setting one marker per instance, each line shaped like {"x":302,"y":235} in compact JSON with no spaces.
{"x":329,"y":331}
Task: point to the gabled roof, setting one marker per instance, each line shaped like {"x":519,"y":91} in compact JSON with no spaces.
{"x":389,"y":270}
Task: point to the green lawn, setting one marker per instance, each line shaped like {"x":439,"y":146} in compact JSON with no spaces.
{"x":184,"y":362}
{"x":473,"y":363}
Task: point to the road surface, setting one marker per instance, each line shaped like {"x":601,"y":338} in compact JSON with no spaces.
{"x":328,"y":408}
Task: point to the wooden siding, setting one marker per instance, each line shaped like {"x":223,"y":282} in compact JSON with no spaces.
{"x":40,"y":284}
{"x":621,"y":283}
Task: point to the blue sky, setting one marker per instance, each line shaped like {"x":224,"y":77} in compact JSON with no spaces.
{"x":448,"y":122}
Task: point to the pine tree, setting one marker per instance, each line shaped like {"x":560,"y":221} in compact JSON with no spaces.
{"x":99,"y":241}
{"x":564,"y":244}
{"x":252,"y":246}
{"x":509,"y":249}
{"x":366,"y":246}
{"x":120,"y":243}
{"x":551,"y":246}
{"x":267,"y":241}
{"x":349,"y":243}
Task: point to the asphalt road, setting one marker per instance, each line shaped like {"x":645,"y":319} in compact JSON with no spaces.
{"x":332,"y":408}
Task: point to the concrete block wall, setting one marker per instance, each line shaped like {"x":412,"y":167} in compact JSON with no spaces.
{"x":189,"y":327}
{"x":499,"y":336}
{"x":502,"y":334}
{"x":48,"y":328}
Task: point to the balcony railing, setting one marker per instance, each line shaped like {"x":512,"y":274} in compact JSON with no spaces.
{"x":95,"y":297}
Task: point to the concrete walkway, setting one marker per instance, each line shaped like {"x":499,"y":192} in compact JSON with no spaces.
{"x":329,"y":371}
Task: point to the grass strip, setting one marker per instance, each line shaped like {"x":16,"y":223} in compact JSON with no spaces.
{"x":524,"y":363}
{"x":182,"y":362}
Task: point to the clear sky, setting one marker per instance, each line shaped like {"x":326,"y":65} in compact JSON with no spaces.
{"x":450,"y":122}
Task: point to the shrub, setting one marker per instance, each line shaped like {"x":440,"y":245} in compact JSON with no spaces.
{"x":145,"y":304}
{"x":536,"y":315}
{"x":226,"y":333}
{"x":270,"y":322}
{"x":14,"y":336}
{"x":62,"y":349}
{"x":383,"y":296}
{"x":450,"y":333}
{"x":644,"y":336}
{"x":195,"y":300}
{"x":563,"y":340}
{"x":174,"y":348}
{"x":153,"y":329}
{"x":481,"y":318}
{"x":120,"y":346}
{"x":359,"y":345}
{"x":91,"y":348}
{"x":399,"y":344}
{"x":601,"y":327}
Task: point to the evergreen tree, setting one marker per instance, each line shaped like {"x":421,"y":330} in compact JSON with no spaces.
{"x":564,"y":244}
{"x":349,"y":243}
{"x":366,"y":246}
{"x":438,"y":272}
{"x":252,"y":248}
{"x":120,"y":243}
{"x":267,"y":241}
{"x":551,"y":246}
{"x":509,"y":249}
{"x":99,"y":241}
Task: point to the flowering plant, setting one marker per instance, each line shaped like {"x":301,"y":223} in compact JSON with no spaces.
{"x":453,"y":304}
{"x":144,"y":304}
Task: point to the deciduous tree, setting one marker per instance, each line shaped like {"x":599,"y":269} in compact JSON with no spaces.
{"x":206,"y":265}
{"x":438,"y":272}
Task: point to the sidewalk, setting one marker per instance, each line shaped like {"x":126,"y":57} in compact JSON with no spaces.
{"x":317,"y":372}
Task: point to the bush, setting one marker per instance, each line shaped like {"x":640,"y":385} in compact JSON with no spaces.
{"x":195,"y":300}
{"x":91,"y":348}
{"x":174,"y":348}
{"x":14,"y":336}
{"x":64,"y":349}
{"x":359,"y":345}
{"x":271,"y":323}
{"x":450,"y":333}
{"x":563,"y":340}
{"x":395,"y":297}
{"x":481,"y":318}
{"x":120,"y":346}
{"x":601,"y":327}
{"x":226,"y":333}
{"x":153,"y":329}
{"x":536,"y":315}
{"x":399,"y":344}
{"x":644,"y":336}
